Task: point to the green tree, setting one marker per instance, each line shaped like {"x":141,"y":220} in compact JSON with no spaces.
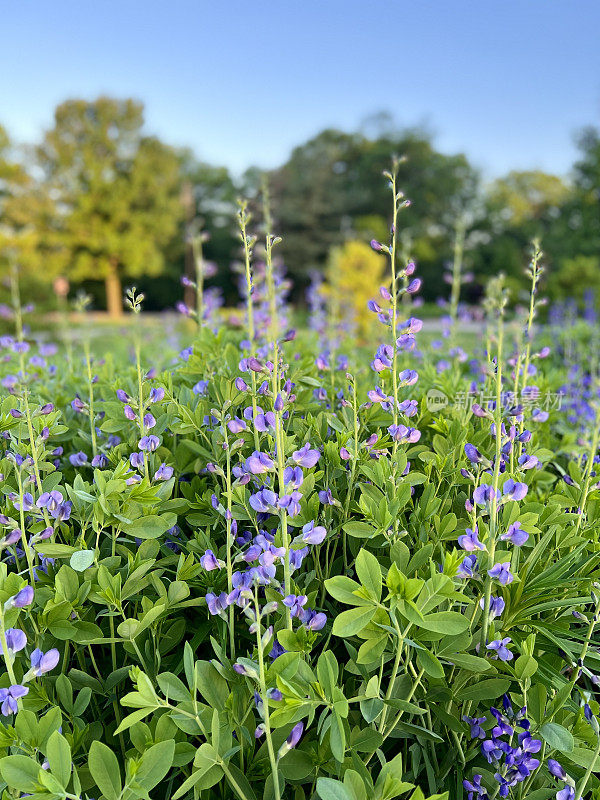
{"x":331,"y":187}
{"x":117,"y":191}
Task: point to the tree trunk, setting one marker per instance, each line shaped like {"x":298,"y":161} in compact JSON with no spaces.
{"x":114,"y":297}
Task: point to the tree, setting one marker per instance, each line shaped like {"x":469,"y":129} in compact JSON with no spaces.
{"x":117,"y":192}
{"x":332,"y":186}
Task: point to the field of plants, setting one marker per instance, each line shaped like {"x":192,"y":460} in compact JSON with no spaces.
{"x":251,"y":562}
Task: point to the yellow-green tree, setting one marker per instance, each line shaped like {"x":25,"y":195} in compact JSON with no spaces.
{"x":355,"y":273}
{"x":117,"y":194}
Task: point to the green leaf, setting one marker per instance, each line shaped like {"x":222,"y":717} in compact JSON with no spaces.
{"x":448,"y":622}
{"x":342,"y":588}
{"x":352,"y":621}
{"x":430,"y":664}
{"x":155,"y":763}
{"x":489,"y":689}
{"x":81,"y":560}
{"x":20,"y":772}
{"x":330,"y":789}
{"x":368,"y":572}
{"x":150,"y":527}
{"x":360,"y":530}
{"x":58,"y":753}
{"x":557,"y":737}
{"x":104,"y":768}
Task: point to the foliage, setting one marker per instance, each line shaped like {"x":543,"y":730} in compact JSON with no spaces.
{"x":354,"y":275}
{"x":248,"y":568}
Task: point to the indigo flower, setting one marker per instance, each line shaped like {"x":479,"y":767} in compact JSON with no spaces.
{"x":43,"y":662}
{"x":496,"y":606}
{"x":209,"y":561}
{"x":149,"y":443}
{"x":484,"y":495}
{"x":515,"y":534}
{"x":100,"y":461}
{"x":513,"y":490}
{"x":500,"y":646}
{"x":259,"y":463}
{"x":263,"y":501}
{"x":24,"y":597}
{"x":305,"y":457}
{"x":15,"y":641}
{"x":156,"y":394}
{"x":467,"y":567}
{"x":470,"y":540}
{"x":9,"y":698}
{"x":78,"y":459}
{"x":312,"y":534}
{"x":163,"y":473}
{"x":501,"y":572}
{"x":291,"y":502}
{"x":477,"y":731}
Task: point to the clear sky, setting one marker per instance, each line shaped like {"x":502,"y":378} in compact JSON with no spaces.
{"x":508,"y":82}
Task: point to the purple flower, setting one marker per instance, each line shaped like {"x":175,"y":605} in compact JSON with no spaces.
{"x":326,"y":497}
{"x":122,"y":395}
{"x":470,"y":540}
{"x":43,"y":662}
{"x":566,"y":793}
{"x":292,"y":740}
{"x":293,"y":476}
{"x":291,"y":502}
{"x":501,"y":572}
{"x":316,"y":621}
{"x":539,"y":416}
{"x":78,"y":459}
{"x":497,"y":605}
{"x":475,"y":789}
{"x":515,"y":534}
{"x":473,"y":454}
{"x":50,"y":500}
{"x":24,"y":597}
{"x":137,"y":460}
{"x":305,"y":457}
{"x":149,"y":443}
{"x":156,"y":395}
{"x":15,"y":640}
{"x":27,"y":502}
{"x":500,"y":646}
{"x":484,"y":494}
{"x":467,"y":567}
{"x":200,"y":388}
{"x":163,"y":473}
{"x":263,"y":501}
{"x":258,"y":463}
{"x":99,"y":461}
{"x":312,"y":534}
{"x":513,"y":490}
{"x":9,"y":698}
{"x":477,"y":731}
{"x":209,"y":561}
{"x":129,"y":412}
{"x":555,"y":769}
{"x":344,"y":454}
{"x":236,"y":425}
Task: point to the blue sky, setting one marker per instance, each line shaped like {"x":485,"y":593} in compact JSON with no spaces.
{"x":506,"y":81}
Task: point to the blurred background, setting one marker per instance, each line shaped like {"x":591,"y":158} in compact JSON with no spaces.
{"x":127,"y":128}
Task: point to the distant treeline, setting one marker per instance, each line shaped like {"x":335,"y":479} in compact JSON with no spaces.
{"x":100,"y":202}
